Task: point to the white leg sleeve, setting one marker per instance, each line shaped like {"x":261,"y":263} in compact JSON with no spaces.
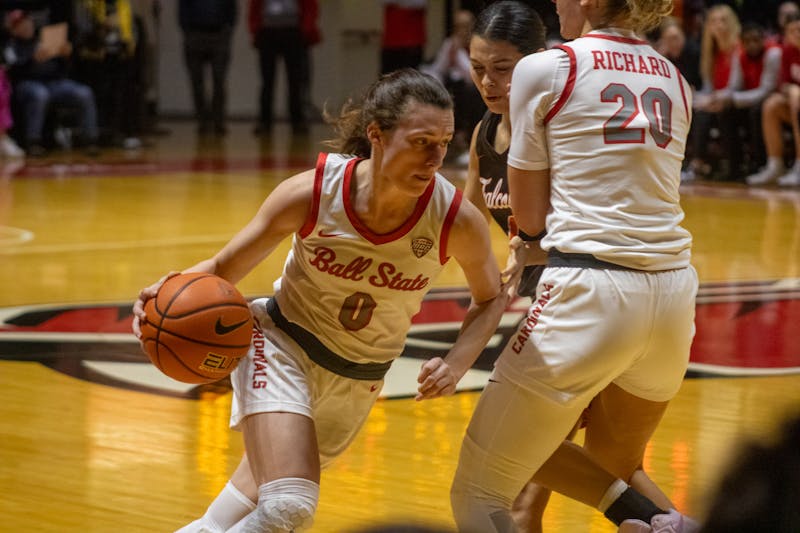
{"x":227,"y":509}
{"x":513,"y":431}
{"x":284,"y":505}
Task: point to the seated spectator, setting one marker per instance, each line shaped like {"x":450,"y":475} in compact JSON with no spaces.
{"x":39,"y":77}
{"x":755,"y":71}
{"x":451,"y":66}
{"x":8,"y":148}
{"x":782,"y":107}
{"x":785,"y":10}
{"x":718,"y":47}
{"x":672,"y":43}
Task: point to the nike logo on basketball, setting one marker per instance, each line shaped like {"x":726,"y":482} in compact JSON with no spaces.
{"x":325,"y":234}
{"x":221,"y":329}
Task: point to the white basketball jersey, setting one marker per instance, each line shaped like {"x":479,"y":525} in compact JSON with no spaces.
{"x":609,"y":116}
{"x":355,"y":290}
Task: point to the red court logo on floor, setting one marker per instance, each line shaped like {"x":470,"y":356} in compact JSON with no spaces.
{"x":743,"y":329}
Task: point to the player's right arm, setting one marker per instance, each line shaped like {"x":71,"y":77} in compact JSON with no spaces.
{"x":536,"y":84}
{"x":282,"y":213}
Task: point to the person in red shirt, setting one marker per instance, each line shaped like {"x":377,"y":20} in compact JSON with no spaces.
{"x":404,"y":34}
{"x":754,"y":75}
{"x":781,"y":108}
{"x":719,"y":45}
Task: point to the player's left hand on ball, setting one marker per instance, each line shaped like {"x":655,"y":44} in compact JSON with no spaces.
{"x":145,"y":294}
{"x":436,"y":379}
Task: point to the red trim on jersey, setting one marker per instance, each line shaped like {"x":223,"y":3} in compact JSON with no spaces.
{"x":615,"y":38}
{"x":313,"y":213}
{"x":568,"y":87}
{"x":448,"y":223}
{"x":363,"y":230}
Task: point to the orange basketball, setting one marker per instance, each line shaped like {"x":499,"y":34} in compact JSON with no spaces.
{"x":197,"y":328}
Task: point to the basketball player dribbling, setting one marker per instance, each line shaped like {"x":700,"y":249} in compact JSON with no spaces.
{"x":371,"y":232}
{"x":598,"y":130}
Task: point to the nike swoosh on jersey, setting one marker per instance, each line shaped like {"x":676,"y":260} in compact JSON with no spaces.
{"x":221,"y":329}
{"x":324,"y":234}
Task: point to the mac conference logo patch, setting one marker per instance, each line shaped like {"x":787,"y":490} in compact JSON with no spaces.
{"x":421,"y":246}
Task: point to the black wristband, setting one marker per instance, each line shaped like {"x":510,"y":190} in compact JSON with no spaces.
{"x":527,"y":238}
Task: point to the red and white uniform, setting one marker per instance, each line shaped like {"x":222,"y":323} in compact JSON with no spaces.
{"x":614,"y":105}
{"x":355,"y":290}
{"x":609,"y":117}
{"x":355,"y":293}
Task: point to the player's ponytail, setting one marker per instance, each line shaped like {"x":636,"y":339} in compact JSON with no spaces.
{"x":384,"y":103}
{"x":638,"y":15}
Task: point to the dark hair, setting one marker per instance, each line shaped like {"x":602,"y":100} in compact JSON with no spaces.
{"x":512,"y":22}
{"x":791,"y":17}
{"x":748,"y":27}
{"x":761,"y":490}
{"x":385,"y":102}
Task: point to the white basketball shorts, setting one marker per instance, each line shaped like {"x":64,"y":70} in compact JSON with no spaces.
{"x":589,"y":327}
{"x":278,"y":376}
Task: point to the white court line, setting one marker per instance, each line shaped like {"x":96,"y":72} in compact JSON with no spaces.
{"x":60,"y":336}
{"x":742,"y":370}
{"x":10,"y":236}
{"x":41,"y":249}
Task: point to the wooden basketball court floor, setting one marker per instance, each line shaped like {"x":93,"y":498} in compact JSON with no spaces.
{"x":93,"y":439}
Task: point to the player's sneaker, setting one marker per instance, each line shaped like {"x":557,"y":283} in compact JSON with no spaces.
{"x":765,"y":176}
{"x":9,"y":148}
{"x":791,"y":178}
{"x":672,"y":522}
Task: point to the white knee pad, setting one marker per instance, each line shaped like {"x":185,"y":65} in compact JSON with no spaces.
{"x":286,"y":504}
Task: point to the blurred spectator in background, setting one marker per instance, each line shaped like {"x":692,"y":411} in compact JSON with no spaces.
{"x":761,"y":489}
{"x":452,"y":67}
{"x":781,"y":108}
{"x":108,"y":60}
{"x":284,"y":29}
{"x":672,"y":43}
{"x":785,"y":10}
{"x":755,"y":72}
{"x":309,"y":13}
{"x":718,"y":47}
{"x":207,"y":27}
{"x":39,"y":77}
{"x":147,"y":14}
{"x":404,"y":34}
{"x":8,"y":148}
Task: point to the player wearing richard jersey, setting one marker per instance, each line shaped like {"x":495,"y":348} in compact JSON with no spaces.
{"x":600,"y":124}
{"x":616,"y":123}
